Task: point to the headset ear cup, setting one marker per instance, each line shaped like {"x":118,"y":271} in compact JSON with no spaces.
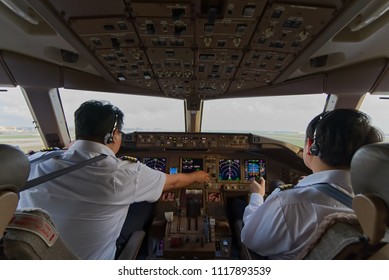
{"x":314,"y":149}
{"x":108,"y":138}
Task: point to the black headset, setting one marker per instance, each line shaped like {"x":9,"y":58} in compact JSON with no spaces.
{"x":315,"y":147}
{"x":108,"y":138}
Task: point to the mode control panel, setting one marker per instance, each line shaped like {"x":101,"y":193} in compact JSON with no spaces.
{"x":189,"y":140}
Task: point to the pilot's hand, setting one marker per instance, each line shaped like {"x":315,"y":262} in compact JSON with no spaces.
{"x":258,"y":187}
{"x":201,"y":176}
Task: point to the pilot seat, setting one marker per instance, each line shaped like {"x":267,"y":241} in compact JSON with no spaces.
{"x":29,"y":234}
{"x":365,"y":234}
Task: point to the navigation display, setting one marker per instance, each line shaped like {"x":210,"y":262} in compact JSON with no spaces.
{"x":189,"y":165}
{"x":229,"y":169}
{"x":254,"y":168}
{"x":156,"y":163}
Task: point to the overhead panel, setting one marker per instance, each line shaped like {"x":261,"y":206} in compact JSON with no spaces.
{"x":105,"y":33}
{"x":259,"y":68}
{"x":223,"y":34}
{"x":173,"y":69}
{"x":116,"y":44}
{"x":283,"y":32}
{"x":289,"y":28}
{"x":167,"y":33}
{"x":215,"y":69}
{"x":198,"y":49}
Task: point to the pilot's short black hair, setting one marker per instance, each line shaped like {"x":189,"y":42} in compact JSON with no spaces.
{"x":340,"y":133}
{"x":95,"y":119}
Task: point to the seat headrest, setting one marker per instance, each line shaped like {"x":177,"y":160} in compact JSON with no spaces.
{"x":14,"y":168}
{"x":370,"y":171}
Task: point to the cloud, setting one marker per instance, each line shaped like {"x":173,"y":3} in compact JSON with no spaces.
{"x":14,"y":110}
{"x":284,"y":113}
{"x":145,"y":112}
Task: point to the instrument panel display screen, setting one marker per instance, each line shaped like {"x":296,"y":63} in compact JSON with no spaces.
{"x":189,"y":165}
{"x":254,"y":168}
{"x":214,"y":197}
{"x":229,"y":169}
{"x":156,"y":163}
{"x":168,"y":196}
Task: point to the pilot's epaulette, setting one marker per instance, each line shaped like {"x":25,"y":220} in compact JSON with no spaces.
{"x":286,"y":187}
{"x":132,"y":159}
{"x":49,"y":149}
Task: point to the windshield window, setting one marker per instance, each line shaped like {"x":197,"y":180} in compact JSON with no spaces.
{"x":283,"y":117}
{"x":377,"y":106}
{"x":140,"y":112}
{"x":16,"y":123}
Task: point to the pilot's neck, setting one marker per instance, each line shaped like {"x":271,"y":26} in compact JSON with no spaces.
{"x":318,"y":165}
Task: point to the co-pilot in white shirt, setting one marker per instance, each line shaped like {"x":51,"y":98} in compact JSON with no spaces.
{"x":88,"y":206}
{"x":281,"y":226}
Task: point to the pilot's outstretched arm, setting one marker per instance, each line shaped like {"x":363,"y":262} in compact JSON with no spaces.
{"x":179,"y":180}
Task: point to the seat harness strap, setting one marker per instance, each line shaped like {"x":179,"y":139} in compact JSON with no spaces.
{"x":334,"y":193}
{"x":47,"y":156}
{"x":58,"y":173}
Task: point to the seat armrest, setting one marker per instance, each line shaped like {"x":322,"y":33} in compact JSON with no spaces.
{"x":245,"y":253}
{"x":8,"y":203}
{"x":133,"y":245}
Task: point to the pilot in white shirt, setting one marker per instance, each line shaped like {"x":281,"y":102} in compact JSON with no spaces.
{"x":283,"y":224}
{"x":281,"y":227}
{"x":93,"y":199}
{"x":89,"y":205}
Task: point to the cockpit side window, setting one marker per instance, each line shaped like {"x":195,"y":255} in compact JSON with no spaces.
{"x":376,"y":106}
{"x":17,"y":126}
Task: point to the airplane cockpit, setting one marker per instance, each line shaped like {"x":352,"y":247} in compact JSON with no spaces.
{"x":194,"y":222}
{"x":327,"y":55}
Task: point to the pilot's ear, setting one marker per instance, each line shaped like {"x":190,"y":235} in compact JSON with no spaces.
{"x":116,"y":135}
{"x":308,"y":144}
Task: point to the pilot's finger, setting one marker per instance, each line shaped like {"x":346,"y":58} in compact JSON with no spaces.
{"x":254,"y":186}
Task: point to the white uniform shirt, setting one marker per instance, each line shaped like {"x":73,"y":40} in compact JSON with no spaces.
{"x":88,"y":206}
{"x":281,"y":226}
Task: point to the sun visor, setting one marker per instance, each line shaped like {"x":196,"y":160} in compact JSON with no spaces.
{"x":30,"y":72}
{"x":356,"y":78}
{"x":5,"y":78}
